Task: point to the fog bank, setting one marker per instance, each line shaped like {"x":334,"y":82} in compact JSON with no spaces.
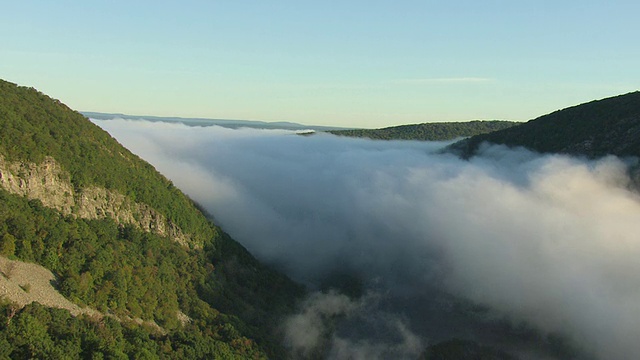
{"x":544,"y":239}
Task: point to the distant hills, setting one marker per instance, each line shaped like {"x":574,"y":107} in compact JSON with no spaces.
{"x":609,"y":126}
{"x":437,"y":131}
{"x":596,"y":128}
{"x":440,"y":131}
{"x":233,"y":124}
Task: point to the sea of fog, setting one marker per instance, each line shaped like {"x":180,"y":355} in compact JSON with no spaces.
{"x":534,"y":254}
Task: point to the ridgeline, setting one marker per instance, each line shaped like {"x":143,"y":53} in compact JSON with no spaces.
{"x":609,"y":126}
{"x":440,"y":131}
{"x":120,"y":239}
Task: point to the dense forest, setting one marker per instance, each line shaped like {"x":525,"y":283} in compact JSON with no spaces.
{"x":429,"y":131}
{"x":33,"y":126}
{"x":233,"y":301}
{"x":594,"y":129}
{"x":38,"y":332}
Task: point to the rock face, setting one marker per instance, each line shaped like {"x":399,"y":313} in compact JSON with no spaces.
{"x":46,"y":182}
{"x":50,"y":184}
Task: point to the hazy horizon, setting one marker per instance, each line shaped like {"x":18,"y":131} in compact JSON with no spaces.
{"x":233,"y":123}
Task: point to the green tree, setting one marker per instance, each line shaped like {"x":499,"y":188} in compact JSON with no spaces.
{"x":7,"y":244}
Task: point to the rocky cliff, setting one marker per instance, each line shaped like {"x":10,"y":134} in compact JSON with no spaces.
{"x":50,"y":184}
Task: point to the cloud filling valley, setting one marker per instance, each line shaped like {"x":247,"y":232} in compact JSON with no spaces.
{"x":441,"y":247}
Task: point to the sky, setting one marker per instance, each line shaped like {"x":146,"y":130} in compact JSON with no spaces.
{"x":340,"y":63}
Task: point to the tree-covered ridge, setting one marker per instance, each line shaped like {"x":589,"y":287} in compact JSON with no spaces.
{"x":48,"y":183}
{"x":120,"y":269}
{"x":594,"y":129}
{"x":429,"y":131}
{"x":33,"y":127}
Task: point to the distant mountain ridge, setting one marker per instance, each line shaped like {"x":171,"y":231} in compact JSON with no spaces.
{"x":609,"y":126}
{"x":233,"y":124}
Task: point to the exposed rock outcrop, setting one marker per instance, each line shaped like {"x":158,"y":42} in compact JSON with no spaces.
{"x":50,"y":184}
{"x":46,"y":182}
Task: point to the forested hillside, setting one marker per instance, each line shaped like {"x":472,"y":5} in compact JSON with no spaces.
{"x":34,"y":127}
{"x":429,"y":131}
{"x":124,"y":268}
{"x":597,"y":128}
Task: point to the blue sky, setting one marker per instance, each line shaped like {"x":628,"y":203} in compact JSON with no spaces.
{"x":347,"y":63}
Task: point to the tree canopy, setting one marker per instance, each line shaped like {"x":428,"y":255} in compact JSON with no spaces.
{"x":609,"y":126}
{"x":437,"y":131}
{"x":33,"y":126}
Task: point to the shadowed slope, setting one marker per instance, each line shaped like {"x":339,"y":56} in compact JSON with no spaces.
{"x":609,"y":126}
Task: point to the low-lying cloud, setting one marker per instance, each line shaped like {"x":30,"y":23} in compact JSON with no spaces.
{"x":334,"y":326}
{"x":547,"y":240}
